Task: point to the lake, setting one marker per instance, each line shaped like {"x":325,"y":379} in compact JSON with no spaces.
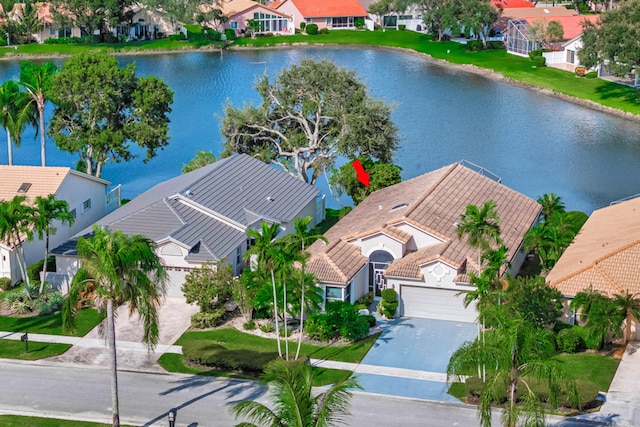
{"x":537,"y":144}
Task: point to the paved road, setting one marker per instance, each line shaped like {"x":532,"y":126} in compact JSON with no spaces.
{"x":65,"y":391}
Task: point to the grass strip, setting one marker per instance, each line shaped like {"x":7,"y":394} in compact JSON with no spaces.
{"x":11,"y":349}
{"x":51,"y":324}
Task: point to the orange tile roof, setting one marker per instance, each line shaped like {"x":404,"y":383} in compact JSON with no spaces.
{"x":329,"y":8}
{"x":433,"y":201}
{"x":43,"y":180}
{"x":572,"y":25}
{"x":234,"y":7}
{"x":604,"y":255}
{"x":510,"y":4}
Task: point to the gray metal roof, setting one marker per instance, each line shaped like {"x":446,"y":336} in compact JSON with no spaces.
{"x":209,"y":209}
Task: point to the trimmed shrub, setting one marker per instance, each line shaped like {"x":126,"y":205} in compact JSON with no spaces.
{"x":371,"y":319}
{"x":591,"y":74}
{"x":401,"y":27}
{"x":366,"y":300}
{"x":319,"y":328}
{"x":535,"y":53}
{"x":216,"y":355}
{"x":474,"y":46}
{"x":312,"y":29}
{"x":5,"y":283}
{"x":230,"y":33}
{"x":359,"y":23}
{"x":323,"y":31}
{"x":495,"y":44}
{"x":210,"y":319}
{"x":178,"y":37}
{"x":303,"y":25}
{"x":581,"y":71}
{"x":569,"y":340}
{"x":355,"y":329}
{"x":539,"y":61}
{"x":389,"y":303}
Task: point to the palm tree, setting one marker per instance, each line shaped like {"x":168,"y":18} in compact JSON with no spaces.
{"x":120,"y":269}
{"x":517,"y":354}
{"x":629,"y":306}
{"x":301,"y":238}
{"x":551,"y":204}
{"x":294,"y":402}
{"x":37,"y":80}
{"x":481,"y":226}
{"x":49,"y":209}
{"x":263,"y":248}
{"x":15,"y":114}
{"x":16,"y":218}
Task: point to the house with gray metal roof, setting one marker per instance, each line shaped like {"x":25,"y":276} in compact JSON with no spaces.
{"x":404,"y":237}
{"x":203,"y":216}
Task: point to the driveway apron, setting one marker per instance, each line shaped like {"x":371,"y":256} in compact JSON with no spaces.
{"x":421,"y":345}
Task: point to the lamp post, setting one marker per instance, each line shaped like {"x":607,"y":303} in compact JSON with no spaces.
{"x":172,"y":414}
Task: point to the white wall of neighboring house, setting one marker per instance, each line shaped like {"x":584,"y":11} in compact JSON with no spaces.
{"x":568,"y":57}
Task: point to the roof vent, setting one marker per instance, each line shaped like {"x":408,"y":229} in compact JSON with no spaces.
{"x":400,"y":206}
{"x":379,"y":207}
{"x":24,"y":187}
{"x":269,"y":198}
{"x":456,"y":224}
{"x":188,"y":193}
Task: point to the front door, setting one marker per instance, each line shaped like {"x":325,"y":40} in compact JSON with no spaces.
{"x":378,"y":263}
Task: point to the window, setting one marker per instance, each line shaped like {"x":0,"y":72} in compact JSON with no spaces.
{"x":347,"y":292}
{"x":250,"y":242}
{"x":86,"y":205}
{"x":333,"y":294}
{"x":238,"y":260}
{"x":308,"y":20}
{"x":73,"y":213}
{"x":341,"y":22}
{"x":234,"y":25}
{"x":405,"y":17}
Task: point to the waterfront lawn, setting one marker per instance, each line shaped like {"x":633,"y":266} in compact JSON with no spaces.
{"x":11,"y":349}
{"x":511,"y":66}
{"x":232,"y":339}
{"x":87,"y":319}
{"x":22,"y":421}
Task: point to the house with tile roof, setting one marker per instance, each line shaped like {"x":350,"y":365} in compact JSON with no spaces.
{"x":86,"y":195}
{"x":203,"y":216}
{"x":331,"y":14}
{"x":404,"y":237}
{"x":239,"y":12}
{"x":604,"y":256}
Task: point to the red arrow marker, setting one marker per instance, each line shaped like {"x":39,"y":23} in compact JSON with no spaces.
{"x":362,"y":175}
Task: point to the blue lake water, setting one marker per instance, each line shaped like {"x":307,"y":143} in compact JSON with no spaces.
{"x":537,"y":144}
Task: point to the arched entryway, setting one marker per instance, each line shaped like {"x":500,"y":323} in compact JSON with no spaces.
{"x":378,"y":263}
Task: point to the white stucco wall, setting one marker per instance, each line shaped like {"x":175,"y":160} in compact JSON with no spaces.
{"x":420,"y":237}
{"x":380,"y":242}
{"x":437,"y":274}
{"x":75,"y":189}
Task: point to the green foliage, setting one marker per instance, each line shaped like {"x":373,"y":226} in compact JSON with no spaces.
{"x":569,"y":340}
{"x":230,"y":34}
{"x":178,"y":37}
{"x":474,"y":45}
{"x":389,"y":303}
{"x":495,"y":44}
{"x":303,"y":25}
{"x":201,"y":159}
{"x":323,"y":30}
{"x":539,"y":61}
{"x":249,"y":325}
{"x":381,"y":175}
{"x":217,"y":356}
{"x":389,"y":295}
{"x":320,"y":327}
{"x":366,"y":299}
{"x":311,"y":29}
{"x":401,"y":27}
{"x":591,"y":75}
{"x":340,"y":319}
{"x":531,"y":297}
{"x":359,"y":23}
{"x":267,"y":328}
{"x":535,"y":53}
{"x":209,"y":286}
{"x":344,"y":211}
{"x":355,"y":329}
{"x":101,"y":109}
{"x":371,"y":319}
{"x":208,"y":319}
{"x":5,"y":283}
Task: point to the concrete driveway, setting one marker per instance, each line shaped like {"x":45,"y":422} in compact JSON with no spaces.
{"x":420,"y":345}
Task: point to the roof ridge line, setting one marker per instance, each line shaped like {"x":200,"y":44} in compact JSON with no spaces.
{"x":335,"y":267}
{"x":608,"y":278}
{"x":431,"y":190}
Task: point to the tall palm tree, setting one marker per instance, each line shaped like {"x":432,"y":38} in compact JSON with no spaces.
{"x":629,"y":306}
{"x":294,"y":402}
{"x":120,"y":269}
{"x":300,"y":239}
{"x":263,"y":248}
{"x":16,"y":218}
{"x":15,"y":114}
{"x":46,"y":210}
{"x":38,"y":80}
{"x":516,"y":354}
{"x":481,"y":226}
{"x":551,"y":204}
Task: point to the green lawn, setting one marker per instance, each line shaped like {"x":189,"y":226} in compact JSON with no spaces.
{"x":52,"y":324}
{"x":20,"y":421}
{"x":175,"y":363}
{"x":10,"y":349}
{"x":233,"y":339}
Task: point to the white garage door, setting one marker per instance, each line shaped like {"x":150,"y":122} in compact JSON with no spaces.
{"x":436,"y":304}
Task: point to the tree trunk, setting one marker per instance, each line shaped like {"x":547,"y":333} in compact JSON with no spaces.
{"x":286,"y":331}
{"x":111,"y":340}
{"x":275,"y":311}
{"x":627,"y":329}
{"x":43,"y":152}
{"x":301,"y":313}
{"x":21,"y":260}
{"x":9,"y":148}
{"x":44,"y":266}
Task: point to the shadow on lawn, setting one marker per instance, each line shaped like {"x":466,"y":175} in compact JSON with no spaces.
{"x":608,"y":90}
